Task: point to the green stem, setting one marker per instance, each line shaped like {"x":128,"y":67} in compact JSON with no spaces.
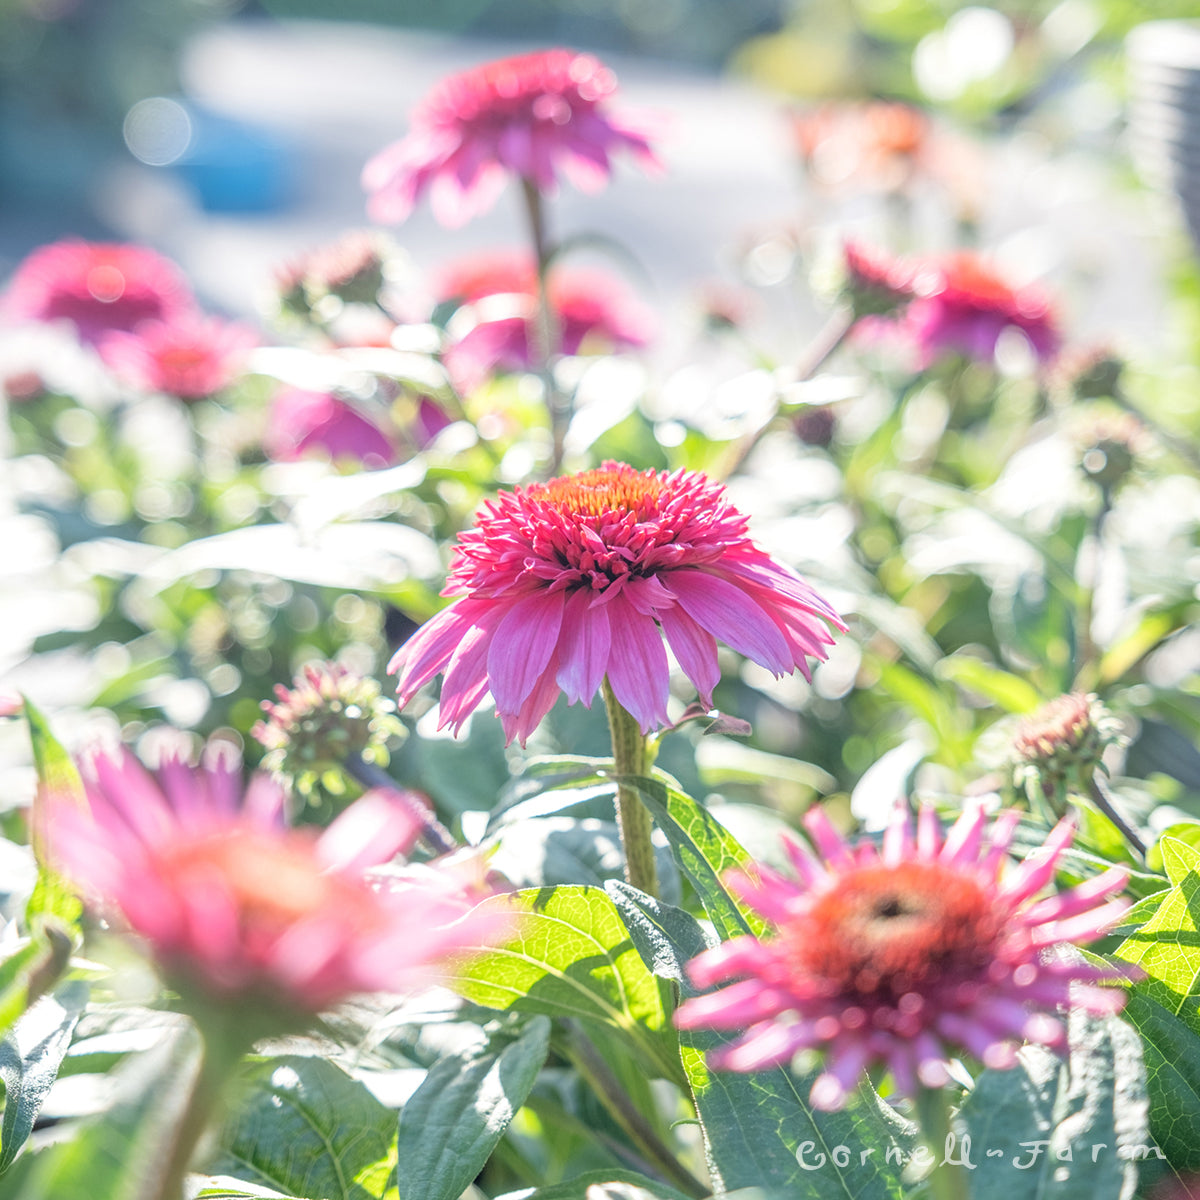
{"x":631,"y":757}
{"x":211,"y":1073}
{"x":949,"y":1179}
{"x":435,"y":835}
{"x":831,"y":335}
{"x":544,"y":332}
{"x":1098,"y":797}
{"x":599,"y":1075}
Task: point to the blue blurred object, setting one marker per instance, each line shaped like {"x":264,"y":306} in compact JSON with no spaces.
{"x":234,"y":167}
{"x":231,"y":166}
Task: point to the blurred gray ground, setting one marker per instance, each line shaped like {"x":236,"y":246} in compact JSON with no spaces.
{"x":334,"y":94}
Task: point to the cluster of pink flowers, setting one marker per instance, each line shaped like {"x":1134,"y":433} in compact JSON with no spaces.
{"x":955,"y":304}
{"x":235,"y":906}
{"x":565,"y":583}
{"x":589,"y":308}
{"x":137,"y":309}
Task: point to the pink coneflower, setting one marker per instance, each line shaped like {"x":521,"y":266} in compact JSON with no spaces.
{"x":566,"y":582}
{"x":189,"y":356}
{"x":531,"y":116}
{"x":97,"y":286}
{"x":303,"y":424}
{"x":590,"y":309}
{"x":900,"y":956}
{"x":237,"y":909}
{"x":963,"y":306}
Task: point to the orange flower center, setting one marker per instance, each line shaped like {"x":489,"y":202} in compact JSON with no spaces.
{"x":603,"y":490}
{"x":886,"y":930}
{"x":274,"y":881}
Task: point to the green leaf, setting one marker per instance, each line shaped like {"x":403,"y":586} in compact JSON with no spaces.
{"x":704,"y":850}
{"x":1167,"y":946}
{"x":120,"y":1156}
{"x":58,"y":779}
{"x":1172,"y":1057}
{"x":31,"y":970}
{"x":453,"y":1121}
{"x":759,"y":1130}
{"x":1049,"y":1130}
{"x":572,"y":957}
{"x":609,"y":1184}
{"x":307,"y":1129}
{"x":1010,"y":692}
{"x":30,"y":1056}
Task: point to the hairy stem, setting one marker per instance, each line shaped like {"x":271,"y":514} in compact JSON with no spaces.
{"x":630,"y":757}
{"x":949,"y":1179}
{"x":600,"y":1077}
{"x":215,"y":1066}
{"x":433,"y":833}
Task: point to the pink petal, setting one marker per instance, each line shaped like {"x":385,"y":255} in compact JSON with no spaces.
{"x":730,"y":615}
{"x":522,"y":647}
{"x":637,"y":666}
{"x":585,"y":641}
{"x":694,"y":648}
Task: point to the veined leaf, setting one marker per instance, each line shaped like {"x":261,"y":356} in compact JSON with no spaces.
{"x":452,"y":1123}
{"x":30,"y":1056}
{"x":1167,"y":946}
{"x":1049,"y":1130}
{"x":704,"y":850}
{"x":572,"y":957}
{"x":307,"y":1129}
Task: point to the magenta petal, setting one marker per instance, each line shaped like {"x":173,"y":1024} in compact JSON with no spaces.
{"x":584,"y":644}
{"x":730,"y":615}
{"x":694,"y":648}
{"x":523,"y":644}
{"x":637,"y":666}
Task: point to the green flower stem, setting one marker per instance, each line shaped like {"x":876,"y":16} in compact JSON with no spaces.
{"x":544,"y":342}
{"x":831,"y":335}
{"x":218,"y":1060}
{"x":631,"y":757}
{"x":1098,"y":797}
{"x":948,"y":1180}
{"x":435,"y":835}
{"x":600,"y":1077}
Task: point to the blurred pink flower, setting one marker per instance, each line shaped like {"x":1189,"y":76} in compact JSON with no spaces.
{"x":875,"y":284}
{"x":532,"y":116}
{"x":97,"y":286}
{"x":563,"y":583}
{"x":189,"y":356}
{"x":238,"y":909}
{"x":303,"y":424}
{"x":963,"y":305}
{"x":591,"y":310}
{"x":897,"y":957}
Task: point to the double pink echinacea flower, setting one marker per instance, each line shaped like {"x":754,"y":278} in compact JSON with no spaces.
{"x":533,"y":116}
{"x":234,"y":906}
{"x":561,"y":584}
{"x":901,"y":955}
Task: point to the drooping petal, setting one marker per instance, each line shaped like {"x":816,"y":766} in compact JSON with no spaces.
{"x":523,"y":644}
{"x":637,"y":668}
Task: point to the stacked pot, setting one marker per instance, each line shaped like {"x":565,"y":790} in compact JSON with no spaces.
{"x":1164,"y":110}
